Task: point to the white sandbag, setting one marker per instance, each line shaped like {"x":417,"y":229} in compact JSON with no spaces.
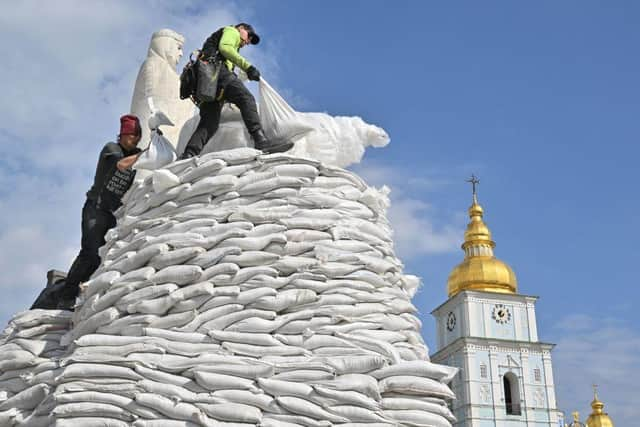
{"x":90,"y":422}
{"x":213,"y":256}
{"x":249,"y":371}
{"x":260,"y":400}
{"x":92,"y":409}
{"x":159,"y":153}
{"x":117,"y":326}
{"x":300,"y":326}
{"x":284,"y":420}
{"x":178,"y":274}
{"x":207,"y":168}
{"x":347,"y":397}
{"x":189,"y":305}
{"x":138,"y":259}
{"x":420,"y":368}
{"x":300,"y":171}
{"x":256,"y":324}
{"x":175,"y":410}
{"x":236,"y":412}
{"x":304,"y":375}
{"x":252,"y":177}
{"x":285,"y":388}
{"x":225,"y":321}
{"x":210,"y":314}
{"x":213,"y":185}
{"x":213,"y":381}
{"x":306,"y":235}
{"x":177,"y":256}
{"x":226,"y":268}
{"x":357,"y":414}
{"x":251,"y":258}
{"x":258,"y":351}
{"x":145,"y":293}
{"x":308,"y":409}
{"x":91,"y":324}
{"x":184,"y":337}
{"x":122,"y":351}
{"x":163,"y":180}
{"x":100,"y":283}
{"x":94,"y":370}
{"x":278,"y":119}
{"x":253,"y":243}
{"x":261,"y":339}
{"x":163,"y":377}
{"x":140,"y":274}
{"x":164,"y":423}
{"x":233,"y":156}
{"x":174,"y":392}
{"x":355,"y":382}
{"x":417,"y":417}
{"x":26,"y":399}
{"x":415,"y":385}
{"x":285,"y":299}
{"x":406,"y":403}
{"x":290,"y":264}
{"x":378,"y":346}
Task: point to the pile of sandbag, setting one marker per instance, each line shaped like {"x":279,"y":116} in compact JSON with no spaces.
{"x":247,"y":289}
{"x":29,"y":364}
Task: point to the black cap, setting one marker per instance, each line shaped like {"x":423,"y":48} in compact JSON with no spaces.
{"x":254,"y":38}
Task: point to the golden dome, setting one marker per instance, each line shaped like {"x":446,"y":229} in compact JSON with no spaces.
{"x":598,"y":417}
{"x":480,"y":270}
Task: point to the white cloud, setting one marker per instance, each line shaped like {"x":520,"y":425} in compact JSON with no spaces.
{"x":596,"y":350}
{"x":419,"y":228}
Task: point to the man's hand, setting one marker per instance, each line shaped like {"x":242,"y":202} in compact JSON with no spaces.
{"x":253,"y":73}
{"x":129,"y":161}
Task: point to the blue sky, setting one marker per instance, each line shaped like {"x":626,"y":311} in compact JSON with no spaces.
{"x":538,"y":99}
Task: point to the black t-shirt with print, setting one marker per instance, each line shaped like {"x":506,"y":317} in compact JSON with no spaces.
{"x":110,"y":184}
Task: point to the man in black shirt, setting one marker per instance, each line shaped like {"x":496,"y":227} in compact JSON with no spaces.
{"x":113,"y":178}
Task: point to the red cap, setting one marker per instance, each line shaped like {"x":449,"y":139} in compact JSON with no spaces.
{"x":130,"y":125}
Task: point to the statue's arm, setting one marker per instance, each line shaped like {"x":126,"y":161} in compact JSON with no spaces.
{"x":150,"y":74}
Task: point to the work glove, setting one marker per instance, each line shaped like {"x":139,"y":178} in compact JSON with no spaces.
{"x":253,"y":73}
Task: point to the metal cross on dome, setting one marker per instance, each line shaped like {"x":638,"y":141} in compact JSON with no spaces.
{"x":474,"y":181}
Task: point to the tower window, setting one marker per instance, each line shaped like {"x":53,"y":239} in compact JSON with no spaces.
{"x":536,"y":375}
{"x":483,"y":370}
{"x":511,"y":394}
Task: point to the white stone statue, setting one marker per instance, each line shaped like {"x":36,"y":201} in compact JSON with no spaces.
{"x":159,"y":80}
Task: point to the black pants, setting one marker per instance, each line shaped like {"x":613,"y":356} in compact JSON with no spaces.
{"x":95,"y":224}
{"x":233,"y":91}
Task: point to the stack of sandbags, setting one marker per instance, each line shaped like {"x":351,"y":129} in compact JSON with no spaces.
{"x":249,"y":289}
{"x":29,"y":363}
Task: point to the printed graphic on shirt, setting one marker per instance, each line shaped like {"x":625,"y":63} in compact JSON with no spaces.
{"x":120,"y":182}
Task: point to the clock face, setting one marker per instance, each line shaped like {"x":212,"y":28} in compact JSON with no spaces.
{"x":501,"y":314}
{"x":451,"y":321}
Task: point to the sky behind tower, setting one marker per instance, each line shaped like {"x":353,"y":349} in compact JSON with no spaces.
{"x":540,"y":100}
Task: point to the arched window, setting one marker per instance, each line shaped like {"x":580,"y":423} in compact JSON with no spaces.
{"x":511,"y":394}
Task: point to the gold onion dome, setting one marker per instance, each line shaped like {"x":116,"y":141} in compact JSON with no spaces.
{"x":598,"y":417}
{"x":480,"y":270}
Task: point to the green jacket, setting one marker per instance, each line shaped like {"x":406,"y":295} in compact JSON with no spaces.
{"x":229,"y":46}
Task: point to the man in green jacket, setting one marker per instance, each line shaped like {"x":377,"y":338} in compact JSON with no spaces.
{"x":224,"y":45}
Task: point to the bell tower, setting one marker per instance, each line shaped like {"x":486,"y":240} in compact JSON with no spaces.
{"x":488,"y":330}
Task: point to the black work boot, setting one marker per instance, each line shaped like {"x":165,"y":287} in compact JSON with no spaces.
{"x":186,"y":155}
{"x":262,"y":143}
